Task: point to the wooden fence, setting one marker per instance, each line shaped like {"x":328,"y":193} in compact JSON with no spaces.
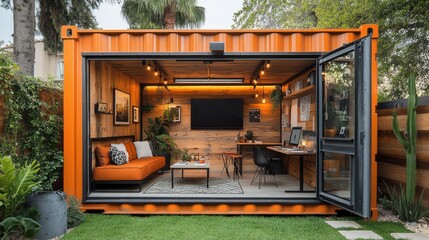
{"x":391,"y":155}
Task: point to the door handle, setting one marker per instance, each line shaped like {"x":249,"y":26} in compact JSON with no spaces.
{"x":362,"y":137}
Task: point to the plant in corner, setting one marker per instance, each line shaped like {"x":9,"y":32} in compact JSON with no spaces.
{"x":404,"y":203}
{"x":15,"y":185}
{"x":158,"y":134}
{"x":276,"y":96}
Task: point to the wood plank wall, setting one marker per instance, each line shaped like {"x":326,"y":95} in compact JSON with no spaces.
{"x":213,"y":142}
{"x":103,"y":80}
{"x":391,"y":156}
{"x":291,"y":109}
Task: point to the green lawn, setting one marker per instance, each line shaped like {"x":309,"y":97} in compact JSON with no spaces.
{"x":97,"y":226}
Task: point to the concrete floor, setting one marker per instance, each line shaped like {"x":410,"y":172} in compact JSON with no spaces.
{"x":268,"y":190}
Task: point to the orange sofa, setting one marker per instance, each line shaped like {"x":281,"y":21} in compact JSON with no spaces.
{"x":133,"y":172}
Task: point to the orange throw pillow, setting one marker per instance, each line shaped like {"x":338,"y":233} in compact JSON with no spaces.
{"x":131,"y":149}
{"x":102,"y":155}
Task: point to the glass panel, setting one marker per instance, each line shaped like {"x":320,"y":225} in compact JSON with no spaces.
{"x":339,"y":96}
{"x":337,"y":174}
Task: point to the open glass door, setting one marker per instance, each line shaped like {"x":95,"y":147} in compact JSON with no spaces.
{"x":344,"y":117}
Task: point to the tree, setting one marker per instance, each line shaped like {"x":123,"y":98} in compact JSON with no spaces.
{"x":403,"y":45}
{"x":167,"y":14}
{"x":276,"y":14}
{"x":51,"y":16}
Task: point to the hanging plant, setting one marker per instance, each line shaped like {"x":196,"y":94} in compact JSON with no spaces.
{"x":276,"y":96}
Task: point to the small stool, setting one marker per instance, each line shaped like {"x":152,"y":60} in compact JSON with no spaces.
{"x":238,"y":161}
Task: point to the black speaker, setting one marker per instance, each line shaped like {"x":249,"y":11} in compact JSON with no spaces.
{"x":217,"y":47}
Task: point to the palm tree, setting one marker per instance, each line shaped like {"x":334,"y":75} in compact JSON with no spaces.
{"x":167,"y":14}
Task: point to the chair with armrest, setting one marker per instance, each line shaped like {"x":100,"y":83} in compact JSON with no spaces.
{"x":263,"y":167}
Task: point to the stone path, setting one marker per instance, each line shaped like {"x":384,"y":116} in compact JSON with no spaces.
{"x":365,"y":234}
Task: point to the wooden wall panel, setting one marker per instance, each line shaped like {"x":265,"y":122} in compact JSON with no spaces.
{"x":391,"y":155}
{"x":103,"y":80}
{"x":309,"y":169}
{"x":213,"y":142}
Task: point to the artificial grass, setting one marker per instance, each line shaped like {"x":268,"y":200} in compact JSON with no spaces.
{"x":97,"y":226}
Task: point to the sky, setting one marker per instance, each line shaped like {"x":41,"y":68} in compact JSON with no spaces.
{"x":219,"y":14}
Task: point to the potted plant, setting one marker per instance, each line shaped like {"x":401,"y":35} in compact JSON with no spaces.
{"x":249,"y":135}
{"x":276,"y":96}
{"x":186,"y":157}
{"x":158,"y":134}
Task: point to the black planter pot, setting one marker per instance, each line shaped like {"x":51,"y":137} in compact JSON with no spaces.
{"x":167,"y":160}
{"x":52,"y":208}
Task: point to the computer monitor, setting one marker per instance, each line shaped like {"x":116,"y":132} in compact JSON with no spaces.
{"x":295,"y":136}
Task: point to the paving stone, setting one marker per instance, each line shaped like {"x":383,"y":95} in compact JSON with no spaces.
{"x":360,"y":234}
{"x":409,"y":236}
{"x":343,"y":224}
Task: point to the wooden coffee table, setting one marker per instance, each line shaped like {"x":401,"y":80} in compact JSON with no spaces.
{"x":194,"y":165}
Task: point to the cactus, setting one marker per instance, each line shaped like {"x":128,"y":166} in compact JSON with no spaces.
{"x":408,"y":139}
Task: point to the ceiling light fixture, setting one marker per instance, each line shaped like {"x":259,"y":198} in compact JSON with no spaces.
{"x":268,"y":64}
{"x":208,"y":80}
{"x":148,"y":67}
{"x":262,"y":71}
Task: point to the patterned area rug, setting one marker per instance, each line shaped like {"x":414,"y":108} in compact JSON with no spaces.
{"x":195,"y":186}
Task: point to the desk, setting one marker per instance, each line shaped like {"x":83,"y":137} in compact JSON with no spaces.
{"x":301,"y":155}
{"x":251,"y":144}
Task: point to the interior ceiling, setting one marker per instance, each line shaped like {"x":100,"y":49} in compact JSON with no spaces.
{"x":280,"y":70}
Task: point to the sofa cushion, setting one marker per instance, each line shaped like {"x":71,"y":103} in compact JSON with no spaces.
{"x":135,"y":170}
{"x":118,"y":157}
{"x":131,"y":149}
{"x":121,"y":147}
{"x":102,"y":155}
{"x":143,"y":149}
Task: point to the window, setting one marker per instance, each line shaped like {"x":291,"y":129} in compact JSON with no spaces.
{"x":60,"y":70}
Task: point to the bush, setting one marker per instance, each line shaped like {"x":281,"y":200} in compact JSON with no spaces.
{"x":406,"y":210}
{"x":74,"y":216}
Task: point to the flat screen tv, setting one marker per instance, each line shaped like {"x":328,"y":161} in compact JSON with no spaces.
{"x":212,"y":114}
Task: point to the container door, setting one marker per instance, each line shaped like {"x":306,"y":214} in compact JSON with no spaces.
{"x":344,"y":117}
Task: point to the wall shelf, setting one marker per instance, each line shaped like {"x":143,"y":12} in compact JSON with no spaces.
{"x":302,"y":92}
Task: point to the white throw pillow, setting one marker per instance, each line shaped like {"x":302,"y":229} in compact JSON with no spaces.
{"x":121,"y":147}
{"x":143,"y":149}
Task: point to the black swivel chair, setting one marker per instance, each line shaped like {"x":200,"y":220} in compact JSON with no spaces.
{"x":263,"y":166}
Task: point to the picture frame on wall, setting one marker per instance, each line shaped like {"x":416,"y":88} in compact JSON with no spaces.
{"x":176,"y":113}
{"x":121,"y":108}
{"x":136,"y":114}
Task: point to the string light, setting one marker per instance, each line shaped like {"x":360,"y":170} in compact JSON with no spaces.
{"x":262,"y":71}
{"x":148,"y":67}
{"x":268,"y":64}
{"x":156,"y":72}
{"x":256,"y":94}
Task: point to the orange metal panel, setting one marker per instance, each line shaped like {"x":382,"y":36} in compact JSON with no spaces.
{"x":209,"y":209}
{"x":77,"y":41}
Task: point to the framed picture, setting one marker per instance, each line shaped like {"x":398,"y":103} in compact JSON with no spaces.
{"x":121,"y":108}
{"x":101,"y":107}
{"x":176,"y":113}
{"x":136,"y":115}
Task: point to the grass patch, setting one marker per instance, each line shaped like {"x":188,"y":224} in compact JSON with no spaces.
{"x":97,"y":226}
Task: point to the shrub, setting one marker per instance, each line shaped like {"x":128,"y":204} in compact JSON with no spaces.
{"x":15,"y":186}
{"x":74,"y":216}
{"x":408,"y":211}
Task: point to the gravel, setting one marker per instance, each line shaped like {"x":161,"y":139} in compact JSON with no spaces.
{"x":422,"y":226}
